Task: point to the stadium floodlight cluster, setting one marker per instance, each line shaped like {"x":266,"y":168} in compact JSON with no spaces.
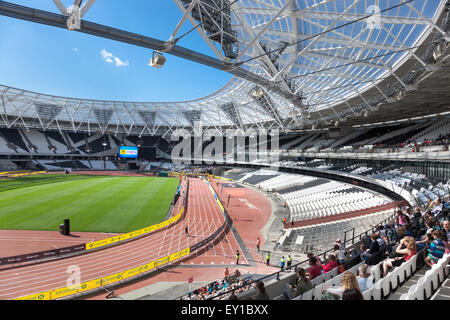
{"x":103,"y":116}
{"x":192,"y":116}
{"x":215,"y":16}
{"x":149,"y":117}
{"x":232,"y":112}
{"x":266,"y":103}
{"x":47,"y":113}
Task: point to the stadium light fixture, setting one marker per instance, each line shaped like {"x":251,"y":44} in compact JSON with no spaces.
{"x":157,"y":60}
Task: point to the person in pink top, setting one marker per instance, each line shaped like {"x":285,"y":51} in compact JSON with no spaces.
{"x":402,"y":218}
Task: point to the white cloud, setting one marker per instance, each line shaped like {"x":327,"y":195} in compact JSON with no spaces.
{"x":75,"y":49}
{"x":120,"y":63}
{"x":110,"y":58}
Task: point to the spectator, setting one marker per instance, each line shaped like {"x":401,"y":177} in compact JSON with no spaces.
{"x":436,"y":249}
{"x":402,"y":218}
{"x":437,"y":206}
{"x":352,"y":294}
{"x":430,"y":219}
{"x":373,"y":250}
{"x":226,"y":273}
{"x":446,"y":226}
{"x":445,"y":240}
{"x":363,"y":275}
{"x":417,"y":212}
{"x":381,"y":243}
{"x":362,"y":249}
{"x":340,"y":255}
{"x":348,"y":282}
{"x":424,"y":241}
{"x":282,"y":262}
{"x":233,"y":296}
{"x":332,"y":263}
{"x":401,"y":232}
{"x":407,"y":248}
{"x":314,"y":269}
{"x":302,"y":285}
{"x":408,"y":232}
{"x":319,"y":262}
{"x":341,"y":246}
{"x":260,"y":291}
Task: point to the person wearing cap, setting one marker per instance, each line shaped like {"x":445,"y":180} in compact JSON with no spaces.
{"x":341,"y":246}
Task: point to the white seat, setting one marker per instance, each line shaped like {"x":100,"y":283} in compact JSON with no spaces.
{"x":327,"y":276}
{"x":376,"y":292}
{"x":413,"y":266}
{"x":376,"y":271}
{"x":427,"y":284}
{"x":416,"y":291}
{"x":368,"y":294}
{"x":385,"y":285}
{"x":318,"y":280}
{"x":404,"y":296}
{"x":318,"y":291}
{"x":393,"y":279}
{"x":402,"y":271}
{"x":431,"y":282}
{"x":370,"y":281}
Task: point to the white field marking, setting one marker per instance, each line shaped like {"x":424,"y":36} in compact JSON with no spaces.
{"x":248,"y":203}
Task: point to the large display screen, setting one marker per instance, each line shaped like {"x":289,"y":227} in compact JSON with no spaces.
{"x":128,"y":152}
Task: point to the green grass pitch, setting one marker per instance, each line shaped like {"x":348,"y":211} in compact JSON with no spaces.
{"x":92,"y":203}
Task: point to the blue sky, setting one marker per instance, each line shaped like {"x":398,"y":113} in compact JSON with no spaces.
{"x":60,"y":62}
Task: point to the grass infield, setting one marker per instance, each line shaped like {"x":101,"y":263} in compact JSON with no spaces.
{"x":92,"y":203}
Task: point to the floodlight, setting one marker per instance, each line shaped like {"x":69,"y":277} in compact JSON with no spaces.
{"x":157,"y":60}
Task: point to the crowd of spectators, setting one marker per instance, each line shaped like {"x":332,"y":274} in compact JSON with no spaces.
{"x":412,"y":230}
{"x":236,"y":282}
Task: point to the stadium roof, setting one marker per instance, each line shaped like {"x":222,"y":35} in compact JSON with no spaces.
{"x":297,"y":64}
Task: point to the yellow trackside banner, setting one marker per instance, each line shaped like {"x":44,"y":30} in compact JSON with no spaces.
{"x":136,"y":233}
{"x":179,"y":254}
{"x":148,"y":266}
{"x":89,"y":285}
{"x":112,"y":278}
{"x":131,"y":272}
{"x":97,"y":283}
{"x":96,"y":244}
{"x":222,"y":178}
{"x":161,"y":261}
{"x":63,"y":292}
{"x":38,"y":296}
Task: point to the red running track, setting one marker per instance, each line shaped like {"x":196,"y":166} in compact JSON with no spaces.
{"x":203,"y":217}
